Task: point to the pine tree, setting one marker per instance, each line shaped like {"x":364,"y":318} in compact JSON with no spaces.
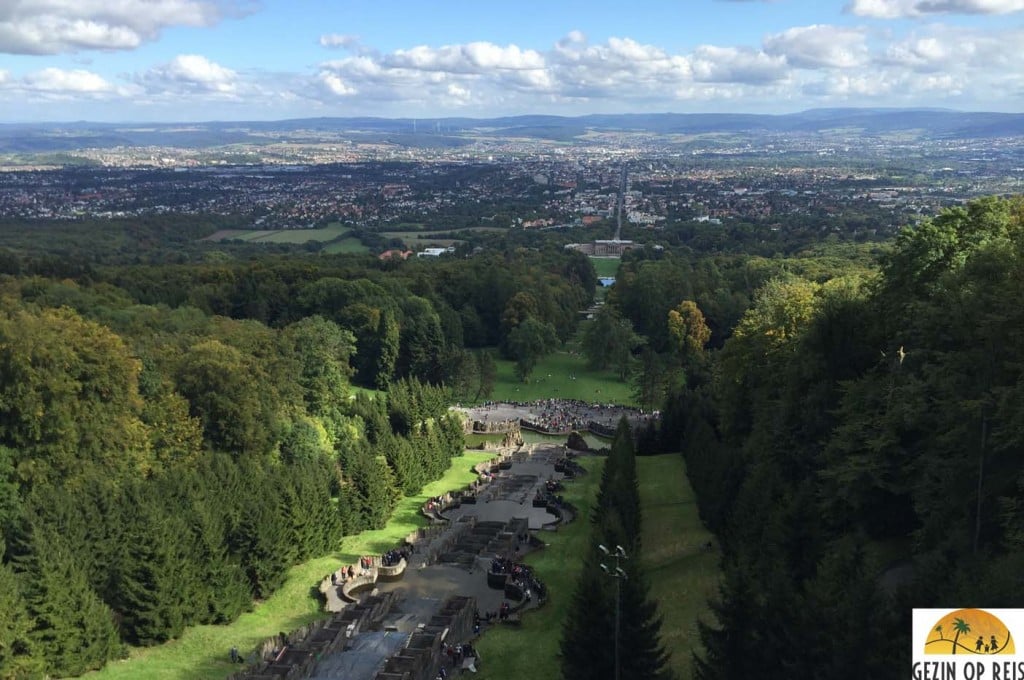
{"x":156,"y":579}
{"x":18,"y":659}
{"x":72,"y":634}
{"x":589,"y":637}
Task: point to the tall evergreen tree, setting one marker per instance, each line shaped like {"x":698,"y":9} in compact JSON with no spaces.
{"x":608,"y":585}
{"x":72,"y":634}
{"x":18,"y":658}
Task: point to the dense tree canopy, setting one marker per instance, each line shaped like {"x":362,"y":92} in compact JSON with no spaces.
{"x":855,"y":450}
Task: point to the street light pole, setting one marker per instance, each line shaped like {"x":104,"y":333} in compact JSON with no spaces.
{"x":618,"y":574}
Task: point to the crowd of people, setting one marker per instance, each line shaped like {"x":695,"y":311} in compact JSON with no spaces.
{"x":519,"y":575}
{"x":393,"y":557}
{"x":566,"y":415}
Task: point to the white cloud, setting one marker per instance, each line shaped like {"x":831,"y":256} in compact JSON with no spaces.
{"x":335,"y":85}
{"x":56,"y":26}
{"x":77,"y":81}
{"x":736,"y":65}
{"x":474,"y":57}
{"x":190,"y":73}
{"x":957,"y":50}
{"x":338,"y":40}
{"x":820,"y":46}
{"x":893,"y":9}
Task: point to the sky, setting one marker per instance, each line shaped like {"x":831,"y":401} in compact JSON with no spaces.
{"x":197,"y":60}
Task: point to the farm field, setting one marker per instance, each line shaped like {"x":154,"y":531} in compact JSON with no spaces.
{"x":328,"y":233}
{"x":202,"y":652}
{"x":413,"y":238}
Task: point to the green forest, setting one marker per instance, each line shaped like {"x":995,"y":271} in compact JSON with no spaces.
{"x":176,"y":432}
{"x":173,"y":437}
{"x":854,"y":441}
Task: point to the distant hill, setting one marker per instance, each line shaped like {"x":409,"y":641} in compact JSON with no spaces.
{"x":927,"y":123}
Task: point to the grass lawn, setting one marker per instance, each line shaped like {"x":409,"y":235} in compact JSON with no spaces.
{"x":605,"y":266}
{"x":593,"y":386}
{"x":202,"y":652}
{"x":345,"y":245}
{"x":681,"y":573}
{"x":531,"y":650}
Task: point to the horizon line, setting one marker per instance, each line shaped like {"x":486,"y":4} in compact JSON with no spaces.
{"x":410,"y":119}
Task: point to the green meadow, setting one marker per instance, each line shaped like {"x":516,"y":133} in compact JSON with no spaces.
{"x":553,"y":378}
{"x":345,"y":246}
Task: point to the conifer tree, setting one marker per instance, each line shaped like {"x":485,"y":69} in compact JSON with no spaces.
{"x":72,"y":634}
{"x":17,"y":653}
{"x":589,"y":635}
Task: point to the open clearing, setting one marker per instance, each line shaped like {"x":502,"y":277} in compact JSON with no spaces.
{"x":553,"y":379}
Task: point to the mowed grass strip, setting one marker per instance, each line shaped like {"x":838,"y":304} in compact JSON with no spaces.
{"x":202,"y":652}
{"x":605,"y":266}
{"x":553,"y":378}
{"x":681,"y":572}
{"x":531,"y":650}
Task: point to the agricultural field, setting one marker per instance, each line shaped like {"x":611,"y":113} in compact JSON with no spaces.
{"x":328,"y":233}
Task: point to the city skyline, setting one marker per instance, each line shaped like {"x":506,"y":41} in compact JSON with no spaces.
{"x":196,"y":60}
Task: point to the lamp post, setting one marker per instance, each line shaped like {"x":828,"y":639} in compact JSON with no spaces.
{"x":618,"y":574}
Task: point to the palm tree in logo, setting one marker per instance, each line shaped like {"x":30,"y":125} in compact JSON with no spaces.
{"x":938,"y":629}
{"x":960,"y":626}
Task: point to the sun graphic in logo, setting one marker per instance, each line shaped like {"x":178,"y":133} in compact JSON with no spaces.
{"x":969,"y":631}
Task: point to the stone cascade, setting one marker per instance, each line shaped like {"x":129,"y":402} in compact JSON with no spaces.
{"x":295,"y":656}
{"x":423,"y":655}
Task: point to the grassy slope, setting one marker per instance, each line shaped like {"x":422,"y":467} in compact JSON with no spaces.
{"x":531,"y":651}
{"x":593,"y":386}
{"x":681,"y":573}
{"x":202,"y":652}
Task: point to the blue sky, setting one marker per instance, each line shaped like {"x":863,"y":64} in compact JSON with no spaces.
{"x":186,"y":60}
